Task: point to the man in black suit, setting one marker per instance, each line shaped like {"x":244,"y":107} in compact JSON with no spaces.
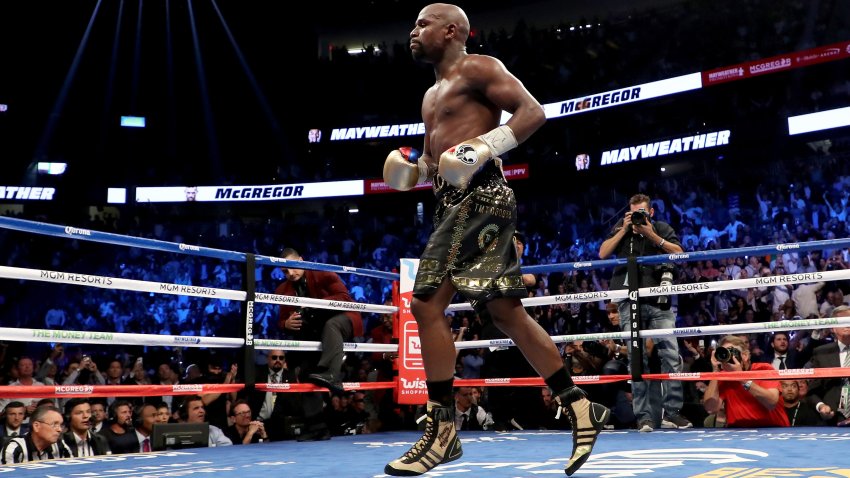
{"x":468,"y":415}
{"x":13,"y":422}
{"x":781,"y":355}
{"x":832,"y":395}
{"x":279,"y":411}
{"x":79,"y":437}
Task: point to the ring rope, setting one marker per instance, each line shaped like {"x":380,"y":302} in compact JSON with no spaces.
{"x":755,"y":327}
{"x":696,"y":287}
{"x":692,"y":256}
{"x":69,"y":232}
{"x":116,"y":338}
{"x":308,"y":345}
{"x":296,"y":301}
{"x":68,"y":391}
{"x":278,"y":262}
{"x":106,"y":282}
{"x":556,"y":299}
{"x":769,"y":281}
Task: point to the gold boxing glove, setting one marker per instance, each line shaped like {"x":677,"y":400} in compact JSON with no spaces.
{"x":461,"y":162}
{"x":402,"y":175}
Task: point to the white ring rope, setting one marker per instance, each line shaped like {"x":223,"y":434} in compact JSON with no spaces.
{"x":557,"y":299}
{"x":105,"y":282}
{"x":769,"y":281}
{"x":755,"y":327}
{"x":115,"y":338}
{"x":269,"y":344}
{"x":475,"y":344}
{"x":696,"y":287}
{"x":296,"y":301}
{"x":760,"y":327}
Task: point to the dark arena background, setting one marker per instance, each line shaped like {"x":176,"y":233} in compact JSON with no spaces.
{"x":157,"y":157}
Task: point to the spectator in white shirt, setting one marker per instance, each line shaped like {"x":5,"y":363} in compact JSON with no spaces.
{"x":192,"y":411}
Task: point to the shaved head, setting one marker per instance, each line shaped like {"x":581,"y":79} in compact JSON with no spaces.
{"x":448,"y":14}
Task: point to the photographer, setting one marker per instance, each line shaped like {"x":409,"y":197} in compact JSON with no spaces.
{"x":637,"y":234}
{"x":331,"y":327}
{"x":749,"y":403}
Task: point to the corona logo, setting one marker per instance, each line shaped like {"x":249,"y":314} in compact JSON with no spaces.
{"x":75,"y":231}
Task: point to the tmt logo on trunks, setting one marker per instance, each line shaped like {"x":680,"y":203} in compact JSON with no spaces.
{"x":466,"y":154}
{"x":488,"y":238}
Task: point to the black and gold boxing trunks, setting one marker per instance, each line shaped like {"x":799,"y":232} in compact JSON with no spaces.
{"x":472,"y":242}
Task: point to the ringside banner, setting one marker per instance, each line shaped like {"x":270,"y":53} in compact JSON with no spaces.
{"x":271,"y":192}
{"x":411,"y":371}
{"x":788,"y":61}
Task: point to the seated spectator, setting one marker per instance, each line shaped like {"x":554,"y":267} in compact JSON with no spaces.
{"x":143,"y":421}
{"x":548,"y":415}
{"x":245,"y":429}
{"x":355,"y":415}
{"x":13,"y":422}
{"x":801,"y":412}
{"x":832,"y":395}
{"x":780,"y":355}
{"x":98,"y":414}
{"x":163,"y":413}
{"x":118,"y":433}
{"x":215,"y":404}
{"x":468,"y":415}
{"x":79,"y":438}
{"x":42,"y":442}
{"x":192,"y":411}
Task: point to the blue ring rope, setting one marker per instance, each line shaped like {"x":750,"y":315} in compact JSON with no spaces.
{"x":69,"y":232}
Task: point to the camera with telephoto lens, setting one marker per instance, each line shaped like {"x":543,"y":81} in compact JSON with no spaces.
{"x":640,"y":217}
{"x":725,"y":354}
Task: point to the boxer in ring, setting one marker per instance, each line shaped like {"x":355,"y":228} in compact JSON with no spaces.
{"x":471,"y":249}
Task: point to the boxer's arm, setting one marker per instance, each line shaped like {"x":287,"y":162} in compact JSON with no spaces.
{"x":504,"y":90}
{"x":427,"y":157}
{"x":489,"y":76}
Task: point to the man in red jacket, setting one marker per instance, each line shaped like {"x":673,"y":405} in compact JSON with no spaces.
{"x":331,"y":327}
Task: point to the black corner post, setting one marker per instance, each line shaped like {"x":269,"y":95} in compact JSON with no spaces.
{"x":636,"y":359}
{"x":249,"y":283}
